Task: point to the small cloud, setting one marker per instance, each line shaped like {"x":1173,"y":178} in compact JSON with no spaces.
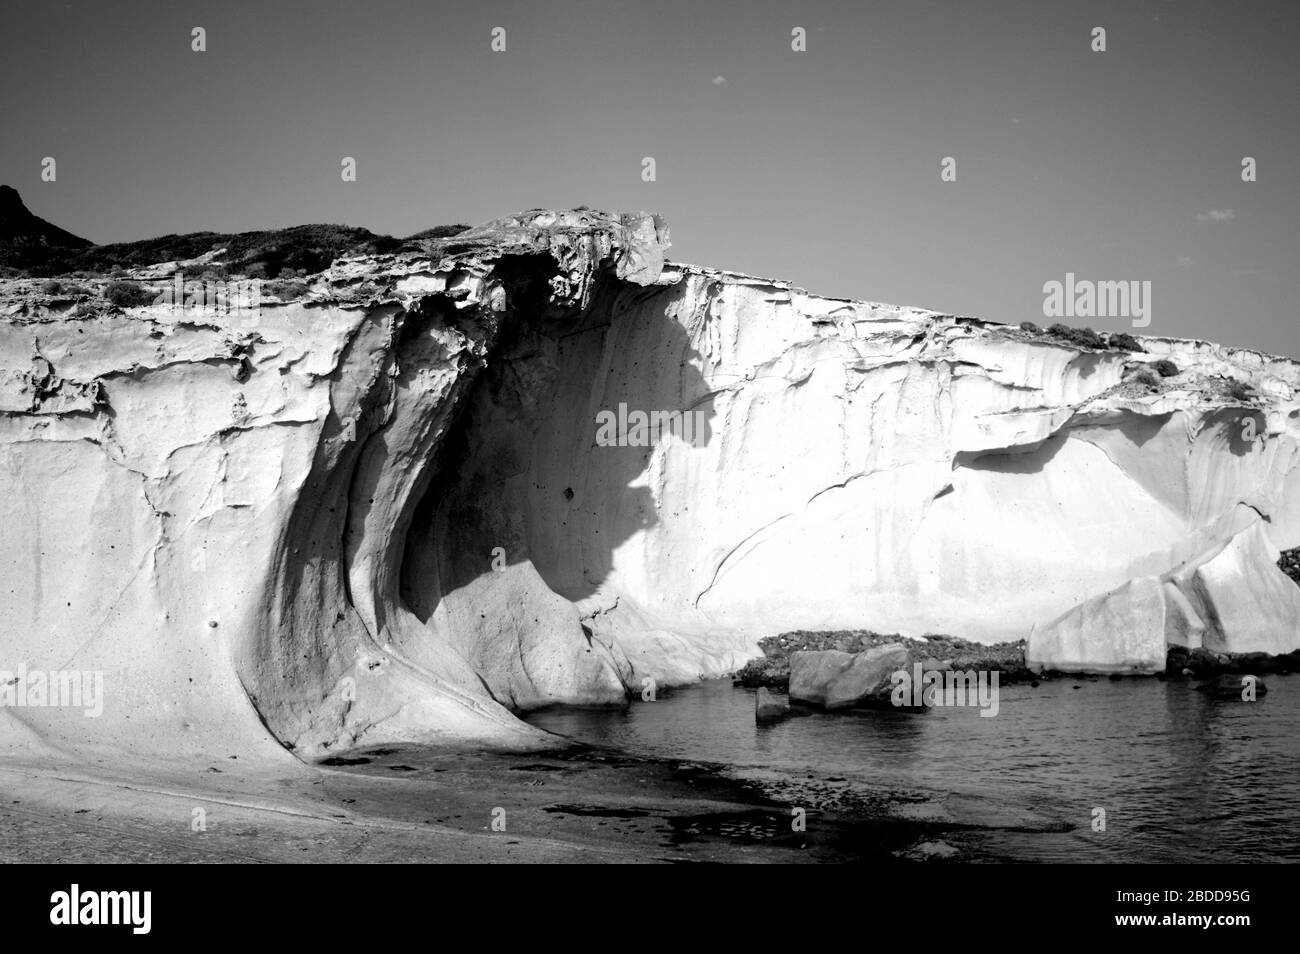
{"x":719,"y":81}
{"x":1215,"y":215}
{"x":1184,"y":262}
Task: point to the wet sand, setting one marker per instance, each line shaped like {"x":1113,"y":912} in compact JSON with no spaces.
{"x":416,"y":804}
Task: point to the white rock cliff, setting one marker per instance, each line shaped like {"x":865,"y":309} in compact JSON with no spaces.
{"x":379,"y":510}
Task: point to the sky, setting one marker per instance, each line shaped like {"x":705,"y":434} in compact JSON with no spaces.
{"x":819,"y":166}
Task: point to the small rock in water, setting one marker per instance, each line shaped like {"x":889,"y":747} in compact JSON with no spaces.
{"x":769,"y":707}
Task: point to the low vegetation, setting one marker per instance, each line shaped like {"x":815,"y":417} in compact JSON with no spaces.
{"x":439,"y":232}
{"x":128,"y":294}
{"x":281,"y":253}
{"x":63,"y":289}
{"x":1086,"y":337}
{"x":1123,"y":342}
{"x":1145,"y":376}
{"x":1241,"y":391}
{"x":285,"y":289}
{"x":1083,"y":337}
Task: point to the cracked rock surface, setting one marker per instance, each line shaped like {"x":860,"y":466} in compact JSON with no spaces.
{"x":376,"y":508}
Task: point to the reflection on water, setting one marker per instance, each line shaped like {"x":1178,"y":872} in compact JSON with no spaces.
{"x":1181,"y":776}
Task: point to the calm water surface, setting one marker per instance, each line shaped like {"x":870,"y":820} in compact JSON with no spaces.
{"x":1182,"y":776}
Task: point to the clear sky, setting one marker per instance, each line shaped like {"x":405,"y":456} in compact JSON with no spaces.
{"x":820,"y":166}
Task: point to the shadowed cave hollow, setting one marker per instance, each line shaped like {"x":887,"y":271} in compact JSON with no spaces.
{"x":518,"y":481}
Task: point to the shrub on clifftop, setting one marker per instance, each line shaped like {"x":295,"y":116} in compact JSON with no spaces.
{"x":128,"y":294}
{"x":1082,"y":337}
{"x":1124,"y":342}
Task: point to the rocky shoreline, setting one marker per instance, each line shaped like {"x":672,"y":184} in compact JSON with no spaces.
{"x":1289,"y":563}
{"x":772,"y":669}
{"x":941,"y":651}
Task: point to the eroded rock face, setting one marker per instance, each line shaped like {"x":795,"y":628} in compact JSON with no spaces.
{"x":381,"y":508}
